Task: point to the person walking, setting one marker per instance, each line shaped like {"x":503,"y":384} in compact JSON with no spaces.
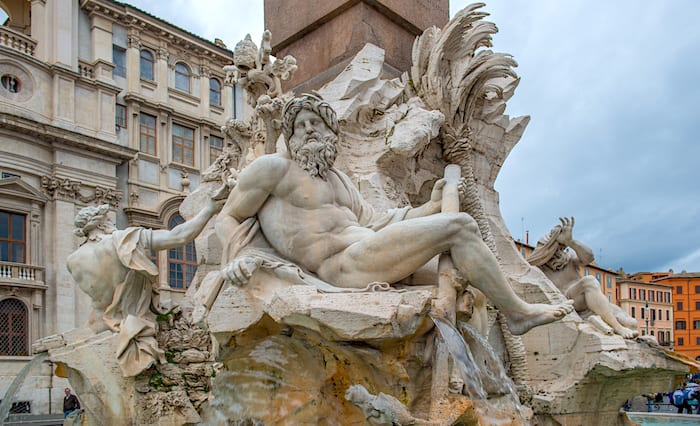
{"x":680,"y":400}
{"x":70,"y":403}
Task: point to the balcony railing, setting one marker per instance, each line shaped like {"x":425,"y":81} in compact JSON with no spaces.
{"x":86,"y":70}
{"x":21,"y":272}
{"x":17,"y":41}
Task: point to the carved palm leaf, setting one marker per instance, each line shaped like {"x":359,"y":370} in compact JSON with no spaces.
{"x":449,"y":71}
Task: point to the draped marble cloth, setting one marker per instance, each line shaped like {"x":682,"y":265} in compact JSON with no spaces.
{"x":248,"y":240}
{"x":134,"y":306}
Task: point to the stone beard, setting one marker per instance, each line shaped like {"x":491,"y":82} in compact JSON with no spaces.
{"x":314,"y":153}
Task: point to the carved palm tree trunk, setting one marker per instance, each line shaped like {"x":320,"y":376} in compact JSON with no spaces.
{"x":459,"y":151}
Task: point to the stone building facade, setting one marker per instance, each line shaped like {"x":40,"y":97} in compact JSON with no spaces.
{"x":100,"y":102}
{"x":650,"y":303}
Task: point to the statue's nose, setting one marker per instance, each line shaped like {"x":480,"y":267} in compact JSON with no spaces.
{"x":308,"y":127}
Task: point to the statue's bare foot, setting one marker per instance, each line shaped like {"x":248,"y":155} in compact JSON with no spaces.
{"x":626,"y":332}
{"x":536,"y":314}
{"x":600,"y":324}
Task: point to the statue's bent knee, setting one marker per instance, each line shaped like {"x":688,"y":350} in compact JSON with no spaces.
{"x":462,"y":223}
{"x":590,"y":283}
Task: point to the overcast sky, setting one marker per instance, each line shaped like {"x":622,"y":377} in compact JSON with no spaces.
{"x":613,"y":94}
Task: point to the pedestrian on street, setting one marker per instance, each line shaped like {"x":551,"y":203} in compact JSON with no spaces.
{"x":70,"y":403}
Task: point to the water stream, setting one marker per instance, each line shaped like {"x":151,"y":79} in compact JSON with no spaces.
{"x":9,"y":397}
{"x":485,"y":380}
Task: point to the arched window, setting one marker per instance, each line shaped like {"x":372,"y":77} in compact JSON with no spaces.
{"x":182,"y":77}
{"x":13,"y":328}
{"x":182,"y":261}
{"x":146,"y":65}
{"x":214,"y":92}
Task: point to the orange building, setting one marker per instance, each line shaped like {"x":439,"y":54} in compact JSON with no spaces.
{"x":650,"y":303}
{"x":686,"y":310}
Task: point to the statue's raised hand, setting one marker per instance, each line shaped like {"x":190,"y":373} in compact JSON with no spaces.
{"x":240,"y":269}
{"x":567,"y":226}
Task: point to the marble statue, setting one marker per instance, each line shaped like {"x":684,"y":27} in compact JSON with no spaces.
{"x":312,"y":215}
{"x":323,"y":297}
{"x":113,"y":267}
{"x":562,"y":267}
{"x":381,"y":409}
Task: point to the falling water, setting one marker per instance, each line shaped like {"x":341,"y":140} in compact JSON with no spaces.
{"x":462,"y":358}
{"x":489,"y":364}
{"x":16,"y":383}
{"x":483,"y":374}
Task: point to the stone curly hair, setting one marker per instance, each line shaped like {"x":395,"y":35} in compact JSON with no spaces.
{"x":312,"y":103}
{"x":88,"y":218}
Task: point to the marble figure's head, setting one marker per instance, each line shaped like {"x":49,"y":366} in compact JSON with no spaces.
{"x":91,"y":218}
{"x":310,"y":128}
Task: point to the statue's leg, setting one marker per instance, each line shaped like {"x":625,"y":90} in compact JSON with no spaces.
{"x":399,"y":249}
{"x":596,"y":301}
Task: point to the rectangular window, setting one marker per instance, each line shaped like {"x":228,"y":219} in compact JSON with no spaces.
{"x":696,"y":324}
{"x":697,"y":340}
{"x":697,"y":306}
{"x":13,"y":241}
{"x":642,"y":294}
{"x":651,"y":295}
{"x":679,"y":306}
{"x":653,"y":315}
{"x":643,"y":312}
{"x":609,"y":282}
{"x":668,"y":315}
{"x":120,"y":117}
{"x":680,"y":341}
{"x":633,"y":293}
{"x":660,"y":317}
{"x":667,"y":299}
{"x":679,"y":289}
{"x":216,"y":146}
{"x":147,"y":134}
{"x":597,"y":276}
{"x":586,"y":272}
{"x":183,"y":145}
{"x":680,"y":325}
{"x":633,"y":312}
{"x":119,"y":59}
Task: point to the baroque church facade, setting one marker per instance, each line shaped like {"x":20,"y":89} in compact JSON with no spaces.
{"x":100,"y":103}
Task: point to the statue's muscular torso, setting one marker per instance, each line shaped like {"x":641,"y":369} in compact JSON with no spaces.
{"x":306,"y":219}
{"x":97,"y":270}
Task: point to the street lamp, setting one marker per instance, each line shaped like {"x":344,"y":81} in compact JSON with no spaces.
{"x":646,"y":316}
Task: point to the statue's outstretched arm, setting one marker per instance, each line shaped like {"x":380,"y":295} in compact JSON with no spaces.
{"x":185,"y":232}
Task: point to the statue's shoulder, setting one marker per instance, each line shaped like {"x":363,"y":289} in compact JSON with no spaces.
{"x":268,"y":168}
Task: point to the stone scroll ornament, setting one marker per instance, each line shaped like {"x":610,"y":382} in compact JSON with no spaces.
{"x":450,"y":73}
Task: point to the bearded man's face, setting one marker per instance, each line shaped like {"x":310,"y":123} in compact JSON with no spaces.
{"x":313,"y":144}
